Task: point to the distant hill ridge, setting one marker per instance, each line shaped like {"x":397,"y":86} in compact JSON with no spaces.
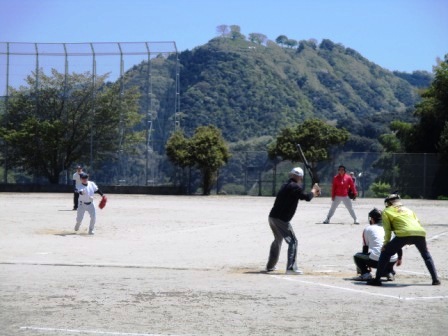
{"x":251,"y":90}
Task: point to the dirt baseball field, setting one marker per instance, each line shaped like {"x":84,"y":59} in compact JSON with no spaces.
{"x":181,"y":265}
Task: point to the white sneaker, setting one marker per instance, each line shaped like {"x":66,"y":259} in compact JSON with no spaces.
{"x":327,"y":221}
{"x":294,"y":272}
{"x":356,"y":222}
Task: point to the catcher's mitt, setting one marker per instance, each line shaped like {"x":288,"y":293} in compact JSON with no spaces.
{"x":103,"y":202}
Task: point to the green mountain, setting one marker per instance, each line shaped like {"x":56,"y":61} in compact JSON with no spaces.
{"x":251,"y":90}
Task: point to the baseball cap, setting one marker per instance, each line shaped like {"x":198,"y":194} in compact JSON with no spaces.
{"x":84,"y":175}
{"x":296,"y":171}
{"x":391,"y":198}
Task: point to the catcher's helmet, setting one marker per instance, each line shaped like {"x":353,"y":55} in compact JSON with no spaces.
{"x":389,"y":200}
{"x":375,"y":214}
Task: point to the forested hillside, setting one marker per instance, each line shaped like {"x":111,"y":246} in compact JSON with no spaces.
{"x":250,"y":90}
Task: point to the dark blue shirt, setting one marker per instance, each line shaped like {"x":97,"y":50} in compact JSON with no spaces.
{"x":287,"y":199}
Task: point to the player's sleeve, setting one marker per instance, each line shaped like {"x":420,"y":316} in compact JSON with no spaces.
{"x":365,"y":244}
{"x":386,"y":227}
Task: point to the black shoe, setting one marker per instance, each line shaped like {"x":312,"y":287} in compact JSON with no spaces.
{"x":374,"y":282}
{"x":436,"y":282}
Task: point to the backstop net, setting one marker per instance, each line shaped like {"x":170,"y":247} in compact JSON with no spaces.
{"x":152,"y":67}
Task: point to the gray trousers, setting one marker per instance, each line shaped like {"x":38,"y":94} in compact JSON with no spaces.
{"x":82,"y":208}
{"x":347,"y":202}
{"x":282,"y":230}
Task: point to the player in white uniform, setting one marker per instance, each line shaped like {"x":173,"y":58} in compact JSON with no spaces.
{"x":86,"y":192}
{"x":76,"y":183}
{"x":373,"y":238}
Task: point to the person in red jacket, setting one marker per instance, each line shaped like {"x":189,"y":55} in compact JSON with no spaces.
{"x":342,"y":182}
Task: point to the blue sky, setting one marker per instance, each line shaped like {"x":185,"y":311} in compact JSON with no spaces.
{"x":404,"y":35}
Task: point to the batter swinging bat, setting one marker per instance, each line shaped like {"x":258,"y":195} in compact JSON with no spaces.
{"x":314,"y":178}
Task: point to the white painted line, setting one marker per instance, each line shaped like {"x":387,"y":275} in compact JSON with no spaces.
{"x":94,"y":332}
{"x":295,"y":279}
{"x":437,"y":236}
{"x":412,"y":272}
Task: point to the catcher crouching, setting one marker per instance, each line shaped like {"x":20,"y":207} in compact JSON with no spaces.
{"x":86,"y":203}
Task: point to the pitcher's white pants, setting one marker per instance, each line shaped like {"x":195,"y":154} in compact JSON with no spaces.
{"x":348,"y":204}
{"x":82,"y":208}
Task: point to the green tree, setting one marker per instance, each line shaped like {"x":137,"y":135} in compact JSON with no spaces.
{"x":291,"y":43}
{"x":281,"y":40}
{"x":432,"y":113}
{"x":314,"y":136}
{"x":257,"y":38}
{"x":235,"y":32}
{"x":205,"y":150}
{"x":222,"y":30}
{"x":178,"y":150}
{"x":48,"y":125}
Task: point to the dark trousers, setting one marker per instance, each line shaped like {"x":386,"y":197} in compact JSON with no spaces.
{"x":75,"y":200}
{"x":399,"y":242}
{"x":282,"y":230}
{"x":364,"y":264}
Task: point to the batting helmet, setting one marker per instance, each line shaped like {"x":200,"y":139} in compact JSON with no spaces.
{"x":296,"y":171}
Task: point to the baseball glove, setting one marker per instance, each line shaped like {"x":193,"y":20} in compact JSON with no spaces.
{"x":103,"y":202}
{"x":351,"y":194}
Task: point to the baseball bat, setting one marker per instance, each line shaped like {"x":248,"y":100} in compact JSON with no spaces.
{"x":314,"y":178}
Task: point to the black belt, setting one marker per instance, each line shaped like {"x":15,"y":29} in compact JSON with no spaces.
{"x":86,"y":203}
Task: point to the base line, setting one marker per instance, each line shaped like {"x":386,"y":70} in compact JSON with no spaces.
{"x":360,"y":291}
{"x":94,"y":332}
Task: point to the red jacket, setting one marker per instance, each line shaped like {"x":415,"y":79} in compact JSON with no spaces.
{"x":341,"y":184}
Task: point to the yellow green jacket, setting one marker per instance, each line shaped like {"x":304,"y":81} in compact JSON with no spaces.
{"x":402,"y":221}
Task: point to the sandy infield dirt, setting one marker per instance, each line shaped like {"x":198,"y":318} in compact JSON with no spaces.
{"x":193,"y":265}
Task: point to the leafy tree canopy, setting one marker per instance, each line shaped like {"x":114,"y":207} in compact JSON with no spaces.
{"x":314,"y":136}
{"x":206,"y":150}
{"x":428,"y":133}
{"x":49,"y":123}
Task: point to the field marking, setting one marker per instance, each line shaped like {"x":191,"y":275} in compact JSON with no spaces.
{"x":94,"y":332}
{"x":437,"y":236}
{"x":358,"y":290}
{"x":133,"y":266}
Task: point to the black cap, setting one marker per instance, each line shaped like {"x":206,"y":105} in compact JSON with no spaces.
{"x":84,"y":175}
{"x":375,"y":214}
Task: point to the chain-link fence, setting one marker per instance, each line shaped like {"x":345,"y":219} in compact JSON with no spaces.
{"x":151,"y":66}
{"x":376,"y":174}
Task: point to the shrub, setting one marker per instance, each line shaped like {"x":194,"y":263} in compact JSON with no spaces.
{"x":380,"y":189}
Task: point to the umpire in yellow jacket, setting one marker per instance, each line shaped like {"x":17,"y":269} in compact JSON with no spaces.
{"x":408,"y":231}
